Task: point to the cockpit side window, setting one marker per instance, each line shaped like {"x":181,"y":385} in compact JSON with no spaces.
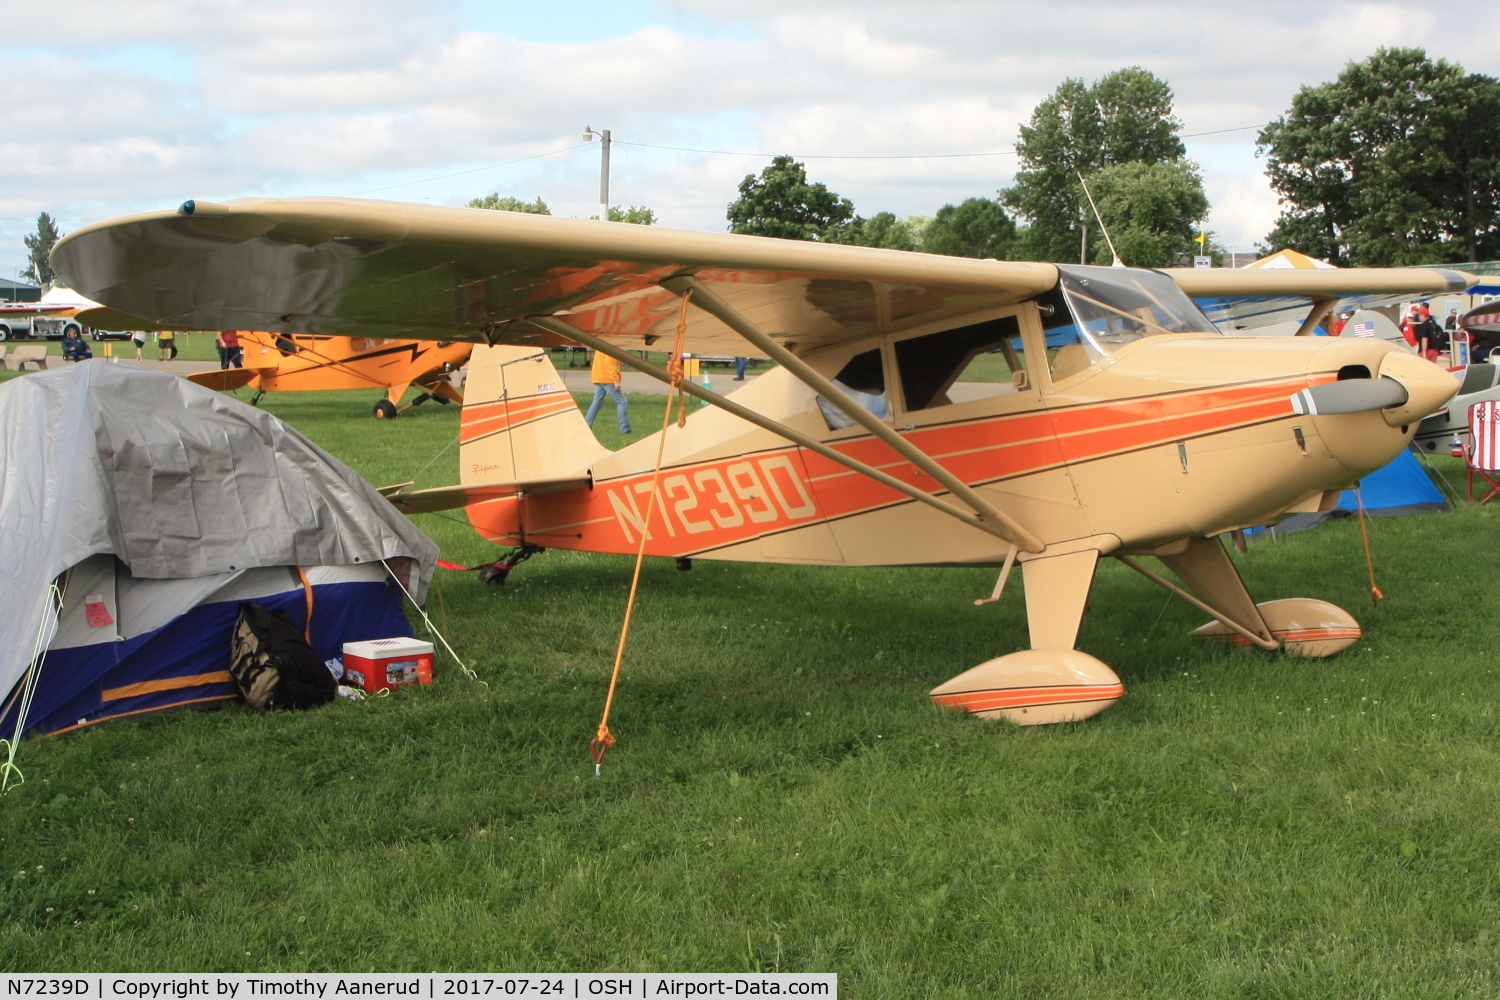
{"x":863,"y":379}
{"x":986,"y":353}
{"x":1067,"y":351}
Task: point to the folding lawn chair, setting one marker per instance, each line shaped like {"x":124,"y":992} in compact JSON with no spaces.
{"x":1484,"y":448}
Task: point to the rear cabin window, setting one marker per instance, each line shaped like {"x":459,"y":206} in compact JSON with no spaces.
{"x":863,"y":378}
{"x":956,"y":366}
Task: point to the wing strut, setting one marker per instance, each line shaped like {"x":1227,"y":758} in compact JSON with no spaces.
{"x":554,"y":325}
{"x":1320,"y":309}
{"x":1004,"y":526}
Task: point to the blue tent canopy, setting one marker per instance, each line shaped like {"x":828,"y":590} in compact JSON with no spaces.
{"x":1400,"y":488}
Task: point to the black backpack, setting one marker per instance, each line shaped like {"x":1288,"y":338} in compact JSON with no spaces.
{"x":272,"y":664}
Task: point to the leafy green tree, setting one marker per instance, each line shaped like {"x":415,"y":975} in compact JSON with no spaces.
{"x":39,"y":251}
{"x":511,"y":204}
{"x":638,"y":214}
{"x":1397,"y":161}
{"x":1153,"y":211}
{"x":1124,"y":117}
{"x":781,"y":202}
{"x":977,"y":227}
{"x":883,"y":229}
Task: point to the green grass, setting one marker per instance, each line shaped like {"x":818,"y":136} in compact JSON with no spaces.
{"x":197,"y":346}
{"x":785,"y":797}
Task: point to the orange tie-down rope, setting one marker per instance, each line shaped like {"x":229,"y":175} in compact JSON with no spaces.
{"x":603,"y":738}
{"x":1376,"y":596}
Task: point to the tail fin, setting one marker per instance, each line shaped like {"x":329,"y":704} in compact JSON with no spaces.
{"x":519,"y":422}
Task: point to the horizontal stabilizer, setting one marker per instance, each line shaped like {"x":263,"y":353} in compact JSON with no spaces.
{"x":224,"y":380}
{"x":449,"y":497}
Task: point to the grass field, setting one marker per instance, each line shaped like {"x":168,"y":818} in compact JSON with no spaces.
{"x":197,"y":346}
{"x":784,"y":796}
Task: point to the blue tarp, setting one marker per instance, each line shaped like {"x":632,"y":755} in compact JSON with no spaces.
{"x":1400,"y":488}
{"x":1403,"y":483}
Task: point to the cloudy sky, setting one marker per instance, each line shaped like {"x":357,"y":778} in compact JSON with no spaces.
{"x":118,"y":106}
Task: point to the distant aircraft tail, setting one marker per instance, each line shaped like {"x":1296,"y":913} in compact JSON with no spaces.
{"x":519,"y":422}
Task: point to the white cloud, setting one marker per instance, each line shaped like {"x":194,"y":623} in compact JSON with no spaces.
{"x":152,"y":102}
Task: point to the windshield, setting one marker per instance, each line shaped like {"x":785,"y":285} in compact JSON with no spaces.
{"x":1113,"y":306}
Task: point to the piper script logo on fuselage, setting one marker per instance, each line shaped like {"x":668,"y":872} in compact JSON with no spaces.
{"x":742,"y":498}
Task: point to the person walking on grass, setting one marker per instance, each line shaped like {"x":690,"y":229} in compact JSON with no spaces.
{"x":138,"y":338}
{"x":228,"y":342}
{"x":605,"y":375}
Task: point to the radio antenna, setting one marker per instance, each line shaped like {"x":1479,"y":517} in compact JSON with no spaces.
{"x":1112,"y":251}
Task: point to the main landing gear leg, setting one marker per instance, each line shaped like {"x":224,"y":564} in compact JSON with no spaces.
{"x":1052,"y":681}
{"x":1208,"y":571}
{"x":1302,"y":626}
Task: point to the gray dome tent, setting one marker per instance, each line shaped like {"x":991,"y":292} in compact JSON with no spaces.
{"x":137,"y":510}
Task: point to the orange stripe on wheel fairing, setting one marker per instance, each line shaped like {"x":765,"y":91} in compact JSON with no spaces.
{"x":985,"y":701}
{"x":1297,"y":635}
{"x":1303,"y":634}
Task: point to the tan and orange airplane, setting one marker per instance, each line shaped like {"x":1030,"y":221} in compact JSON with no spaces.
{"x":297,"y":362}
{"x":927,"y":410}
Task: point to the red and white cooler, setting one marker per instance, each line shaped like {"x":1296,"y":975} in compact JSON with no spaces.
{"x":378,"y":664}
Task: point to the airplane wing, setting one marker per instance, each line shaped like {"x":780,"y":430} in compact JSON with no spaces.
{"x":390,"y":270}
{"x":449,"y":497}
{"x":1246,"y":298}
{"x":224,"y":380}
{"x":112,"y":321}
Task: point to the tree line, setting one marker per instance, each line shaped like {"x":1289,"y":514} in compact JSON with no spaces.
{"x":1117,"y":135}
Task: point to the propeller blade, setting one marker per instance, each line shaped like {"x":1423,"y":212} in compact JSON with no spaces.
{"x":1355,"y":395}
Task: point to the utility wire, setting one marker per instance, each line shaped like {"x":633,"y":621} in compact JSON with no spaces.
{"x":461,"y":173}
{"x":889,"y":156}
{"x":722,"y":152}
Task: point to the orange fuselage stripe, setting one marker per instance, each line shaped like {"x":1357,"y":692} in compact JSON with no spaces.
{"x":479,"y":420}
{"x":720,"y":506}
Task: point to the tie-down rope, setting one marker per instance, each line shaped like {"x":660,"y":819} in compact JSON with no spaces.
{"x":603,"y":738}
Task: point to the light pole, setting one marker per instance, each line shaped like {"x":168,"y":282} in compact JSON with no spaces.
{"x":589,"y":135}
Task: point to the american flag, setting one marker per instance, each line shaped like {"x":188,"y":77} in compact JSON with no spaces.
{"x":1364,"y":329}
{"x":1485,"y":435}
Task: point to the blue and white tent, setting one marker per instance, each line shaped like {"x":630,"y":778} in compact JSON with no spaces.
{"x":138,"y":511}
